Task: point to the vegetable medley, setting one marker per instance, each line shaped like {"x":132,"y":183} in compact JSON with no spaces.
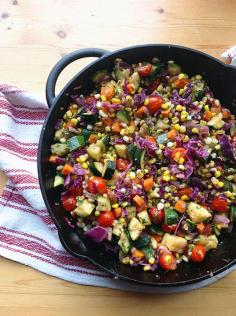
{"x":148,"y":164}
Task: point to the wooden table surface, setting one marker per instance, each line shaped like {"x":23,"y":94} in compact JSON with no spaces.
{"x":33,"y":36}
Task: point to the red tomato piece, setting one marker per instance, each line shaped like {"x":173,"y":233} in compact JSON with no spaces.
{"x":169,"y":228}
{"x":157,"y":216}
{"x":69,"y":203}
{"x":155,"y":103}
{"x":219,"y":204}
{"x":106,"y":218}
{"x":198,"y":253}
{"x":145,"y":70}
{"x":122,"y":164}
{"x":185,"y":191}
{"x":97,"y":185}
{"x":168,"y":261}
{"x":76,"y":191}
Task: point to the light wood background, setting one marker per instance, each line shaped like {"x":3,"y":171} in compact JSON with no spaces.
{"x":34,"y":34}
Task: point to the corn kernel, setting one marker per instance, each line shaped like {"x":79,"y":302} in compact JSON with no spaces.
{"x":151,"y":260}
{"x":97,"y":213}
{"x":116,"y":205}
{"x":198,"y":77}
{"x":175,"y":120}
{"x":140,"y":175}
{"x":69,"y":114}
{"x":167,"y":204}
{"x":181,"y":167}
{"x":181,"y":76}
{"x":221,"y":184}
{"x":103,"y":98}
{"x":165,"y":106}
{"x":181,"y":91}
{"x":195,"y":130}
{"x":184,"y":113}
{"x":184,"y":198}
{"x":182,"y":129}
{"x":146,"y":268}
{"x":74,"y":121}
{"x":85,"y":165}
{"x":217,"y":174}
{"x":125,"y":260}
{"x":181,"y":160}
{"x":161,"y":146}
{"x":172,"y":178}
{"x":124,"y":204}
{"x":115,"y":100}
{"x":206,"y":107}
{"x":185,"y":139}
{"x":230,"y":177}
{"x":183,"y":118}
{"x":166,"y":178}
{"x":122,"y":132}
{"x":177,"y":127}
{"x":153,"y":160}
{"x":166,"y":172}
{"x":107,"y":128}
{"x":229,"y":194}
{"x":203,"y":123}
{"x":179,"y":108}
{"x":217,"y":147}
{"x":146,"y":101}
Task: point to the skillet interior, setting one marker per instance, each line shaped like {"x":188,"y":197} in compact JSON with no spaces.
{"x":222,"y":81}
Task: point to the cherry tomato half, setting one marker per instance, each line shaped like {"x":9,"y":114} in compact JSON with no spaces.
{"x":167,"y":261}
{"x":155,"y":103}
{"x":219,"y":204}
{"x":145,"y":70}
{"x":185,"y":191}
{"x":181,"y":83}
{"x":97,"y":185}
{"x":69,"y":203}
{"x":76,"y":191}
{"x":198,"y":253}
{"x":157,"y":216}
{"x":122,"y":164}
{"x":106,"y":218}
{"x":169,"y":228}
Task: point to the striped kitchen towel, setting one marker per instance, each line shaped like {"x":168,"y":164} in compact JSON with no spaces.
{"x":27,"y":233}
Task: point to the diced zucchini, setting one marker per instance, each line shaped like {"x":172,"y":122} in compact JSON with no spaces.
{"x":123,"y":116}
{"x":94,"y":151}
{"x":98,"y":76}
{"x":131,"y":150}
{"x":113,"y":179}
{"x":104,"y":143}
{"x":62,"y":133}
{"x":144,"y":218}
{"x":162,"y":138}
{"x":174,"y":69}
{"x":96,"y":168}
{"x":117,"y":229}
{"x":198,"y":91}
{"x":131,"y":211}
{"x":216,"y":121}
{"x":156,"y":229}
{"x":197,"y":213}
{"x":109,"y":169}
{"x":59,"y":149}
{"x":121,"y":73}
{"x":135,"y":228}
{"x":160,"y":124}
{"x":142,"y":241}
{"x":86,"y":133}
{"x":104,"y":204}
{"x":171,"y":217}
{"x":121,"y":150}
{"x":210,"y":242}
{"x":174,"y":243}
{"x":124,"y":242}
{"x":90,"y":117}
{"x":191,"y":226}
{"x":233,"y":213}
{"x":148,"y":252}
{"x":135,"y":80}
{"x":84,"y":209}
{"x":75,"y":142}
{"x":58,"y":180}
{"x":139,"y":158}
{"x":228,"y":186}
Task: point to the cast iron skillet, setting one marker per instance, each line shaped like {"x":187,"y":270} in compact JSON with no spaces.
{"x":222,"y":80}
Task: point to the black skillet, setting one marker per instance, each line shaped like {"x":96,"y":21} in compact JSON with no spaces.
{"x":222,"y":80}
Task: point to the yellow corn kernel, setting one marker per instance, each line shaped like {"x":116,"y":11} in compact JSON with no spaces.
{"x":182,"y":129}
{"x":203,"y":123}
{"x":220,"y":184}
{"x":85,"y":165}
{"x":122,"y":132}
{"x":132,"y":175}
{"x":74,"y":121}
{"x":125,"y":260}
{"x":184,"y":113}
{"x":230,"y":177}
{"x":181,"y":91}
{"x":181,"y":76}
{"x":116,"y":205}
{"x":183,"y":118}
{"x":151,"y":260}
{"x":166,"y":172}
{"x":181,"y":167}
{"x":175,"y":120}
{"x":229,"y":194}
{"x":184,"y":198}
{"x":115,"y":100}
{"x":195,"y":130}
{"x":181,"y":160}
{"x":198,"y":77}
{"x":140,"y":175}
{"x":177,"y":127}
{"x":165,"y":106}
{"x":97,"y":213}
{"x":124,"y":204}
{"x":179,"y":108}
{"x":146,"y":101}
{"x":217,"y":174}
{"x":69,"y":114}
{"x":82,"y":158}
{"x":103,"y":98}
{"x":172,"y":178}
{"x":217,"y":147}
{"x":185,"y":139}
{"x":161,"y":146}
{"x":166,"y":178}
{"x":146,"y":268}
{"x":206,"y":107}
{"x":153,"y":160}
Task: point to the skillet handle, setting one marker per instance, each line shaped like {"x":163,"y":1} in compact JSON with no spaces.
{"x":61,"y":65}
